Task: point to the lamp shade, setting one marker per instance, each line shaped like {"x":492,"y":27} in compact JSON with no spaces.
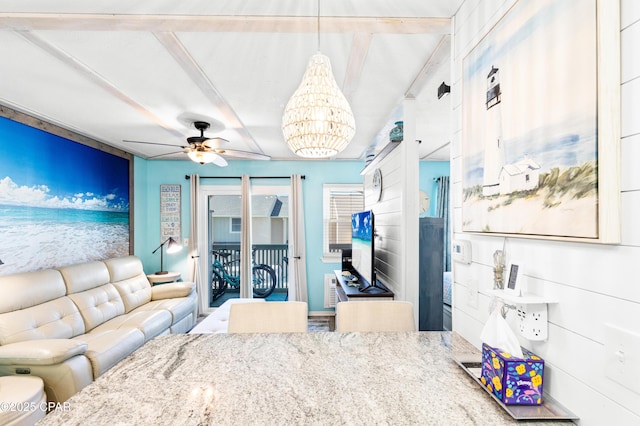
{"x":173,"y":246}
{"x":318,"y":121}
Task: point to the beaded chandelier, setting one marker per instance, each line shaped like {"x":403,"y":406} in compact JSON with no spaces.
{"x":318,"y":121}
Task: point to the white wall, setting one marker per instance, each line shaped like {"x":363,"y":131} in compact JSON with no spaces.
{"x":594,"y":284}
{"x":397,"y":213}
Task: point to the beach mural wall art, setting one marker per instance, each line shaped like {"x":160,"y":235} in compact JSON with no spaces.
{"x":529,"y":120}
{"x":61,"y":202}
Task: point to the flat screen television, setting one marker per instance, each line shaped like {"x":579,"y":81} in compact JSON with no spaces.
{"x":362,"y":247}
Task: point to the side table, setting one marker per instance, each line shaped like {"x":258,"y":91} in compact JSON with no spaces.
{"x":169,"y":277}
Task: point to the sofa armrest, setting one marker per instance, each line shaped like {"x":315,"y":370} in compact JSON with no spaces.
{"x":40,"y":352}
{"x":172,"y":290}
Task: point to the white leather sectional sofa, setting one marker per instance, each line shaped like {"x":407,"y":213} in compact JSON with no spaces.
{"x":70,"y":325}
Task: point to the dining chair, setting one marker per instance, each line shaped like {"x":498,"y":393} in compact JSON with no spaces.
{"x":374,"y":315}
{"x":268,"y":317}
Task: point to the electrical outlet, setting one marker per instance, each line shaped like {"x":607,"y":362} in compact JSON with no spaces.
{"x":533,"y":321}
{"x":186,"y":242}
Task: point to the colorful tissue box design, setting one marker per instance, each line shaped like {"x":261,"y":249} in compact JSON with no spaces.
{"x":515,"y":381}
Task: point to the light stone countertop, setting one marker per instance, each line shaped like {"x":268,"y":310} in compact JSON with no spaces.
{"x":299,"y":378}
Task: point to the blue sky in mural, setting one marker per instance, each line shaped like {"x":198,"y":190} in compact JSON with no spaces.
{"x":38,"y":169}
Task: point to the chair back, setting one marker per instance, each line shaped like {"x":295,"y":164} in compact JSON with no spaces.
{"x":374,"y":315}
{"x":268,"y":317}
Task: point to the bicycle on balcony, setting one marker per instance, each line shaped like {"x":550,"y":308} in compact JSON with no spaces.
{"x":227,"y":274}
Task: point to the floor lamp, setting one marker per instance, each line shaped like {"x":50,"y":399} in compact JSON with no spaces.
{"x":172,"y":247}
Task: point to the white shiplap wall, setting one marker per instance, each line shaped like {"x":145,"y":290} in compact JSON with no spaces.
{"x":594,"y":284}
{"x":396,"y":214}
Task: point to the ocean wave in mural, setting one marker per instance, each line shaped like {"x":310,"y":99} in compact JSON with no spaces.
{"x":61,"y":202}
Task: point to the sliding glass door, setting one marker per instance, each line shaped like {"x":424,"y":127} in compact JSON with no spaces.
{"x":220,"y":250}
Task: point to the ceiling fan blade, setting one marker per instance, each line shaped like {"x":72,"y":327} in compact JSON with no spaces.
{"x":219,"y":161}
{"x":164,"y":155}
{"x":245,"y":154}
{"x":154,"y":143}
{"x":216,"y":143}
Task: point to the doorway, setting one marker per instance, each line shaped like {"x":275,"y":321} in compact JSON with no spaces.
{"x":269,"y":240}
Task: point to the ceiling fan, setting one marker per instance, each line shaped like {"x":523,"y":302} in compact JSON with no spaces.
{"x":202,"y":149}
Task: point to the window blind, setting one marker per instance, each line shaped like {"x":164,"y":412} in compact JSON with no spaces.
{"x":342,"y":205}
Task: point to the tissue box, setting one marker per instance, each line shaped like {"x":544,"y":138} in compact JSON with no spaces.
{"x":515,"y":381}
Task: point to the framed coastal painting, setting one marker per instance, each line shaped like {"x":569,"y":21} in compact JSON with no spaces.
{"x":540,"y":123}
{"x":61,"y":202}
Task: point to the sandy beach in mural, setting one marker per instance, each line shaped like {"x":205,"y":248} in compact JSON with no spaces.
{"x":570,"y":216}
{"x":47,"y":238}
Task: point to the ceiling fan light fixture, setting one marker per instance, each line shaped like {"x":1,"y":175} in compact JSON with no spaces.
{"x":318,"y":121}
{"x":201,"y":156}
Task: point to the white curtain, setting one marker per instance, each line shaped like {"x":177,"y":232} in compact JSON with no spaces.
{"x":193,"y":255}
{"x":246,"y":276}
{"x":297,"y":252}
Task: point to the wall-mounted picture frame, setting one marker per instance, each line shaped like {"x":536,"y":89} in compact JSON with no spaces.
{"x":66,"y":199}
{"x":540,"y":124}
{"x":170,"y":213}
{"x":512,"y":285}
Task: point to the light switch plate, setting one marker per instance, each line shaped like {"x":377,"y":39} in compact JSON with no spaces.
{"x":622,"y":356}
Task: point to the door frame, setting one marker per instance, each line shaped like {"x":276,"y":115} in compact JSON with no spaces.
{"x":203,"y":226}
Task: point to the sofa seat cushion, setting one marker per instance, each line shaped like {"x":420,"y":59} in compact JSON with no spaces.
{"x":56,"y":319}
{"x":178,"y":307}
{"x":150,"y":323}
{"x":40,"y":352}
{"x":108,"y":347}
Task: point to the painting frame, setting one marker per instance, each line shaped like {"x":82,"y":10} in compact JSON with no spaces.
{"x":63,"y":201}
{"x":170,"y":212}
{"x":606,"y":207}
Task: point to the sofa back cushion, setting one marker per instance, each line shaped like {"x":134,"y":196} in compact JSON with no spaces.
{"x":56,"y":319}
{"x":128,"y":277}
{"x":88,"y":286}
{"x":98,"y":305}
{"x":20,"y":291}
{"x":84,"y":276}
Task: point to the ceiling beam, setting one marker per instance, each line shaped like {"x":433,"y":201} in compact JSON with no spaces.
{"x":94,"y":77}
{"x":357,"y":56}
{"x":442,"y":53}
{"x":189,"y":65}
{"x":216,"y":23}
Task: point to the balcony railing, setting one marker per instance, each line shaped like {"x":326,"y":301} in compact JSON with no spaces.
{"x":273,"y":255}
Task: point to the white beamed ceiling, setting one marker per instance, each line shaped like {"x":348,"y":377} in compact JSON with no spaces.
{"x":145,"y":70}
